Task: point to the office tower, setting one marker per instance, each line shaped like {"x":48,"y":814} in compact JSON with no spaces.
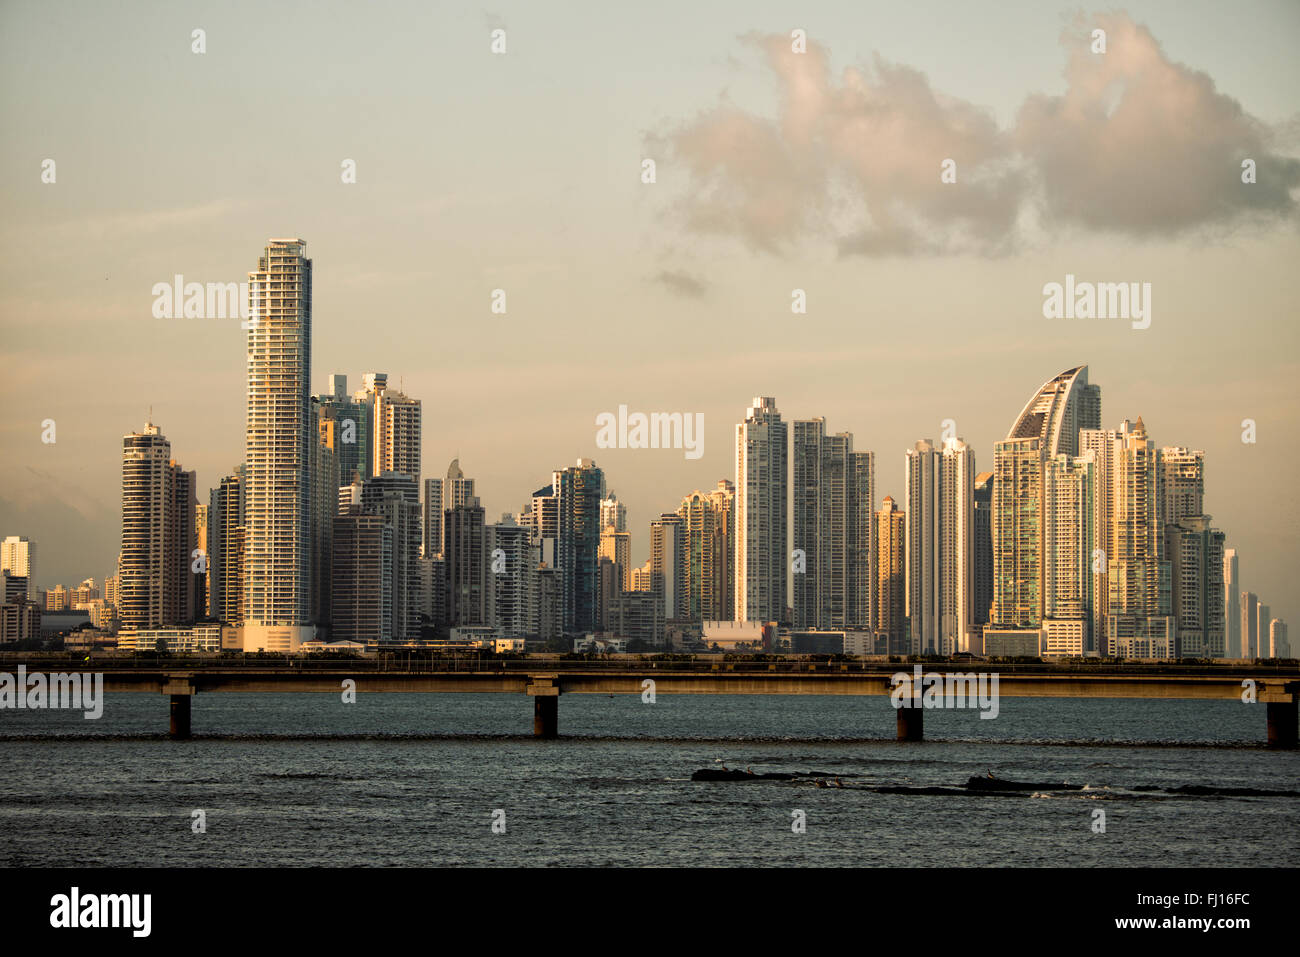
{"x":1197,"y":563}
{"x":1278,"y":645}
{"x":667,"y":566}
{"x":1263,"y":615}
{"x":397,"y":434}
{"x":325,"y":479}
{"x":279,"y":440}
{"x":1068,"y":542}
{"x":18,"y":557}
{"x":1232,"y":604}
{"x":1139,"y":623}
{"x":361,"y":568}
{"x":1249,"y":625}
{"x":466,"y":564}
{"x":982,"y":558}
{"x":351,"y":429}
{"x":613,"y":513}
{"x":432,"y":543}
{"x":508,"y":557}
{"x":891,"y":578}
{"x":832,"y":494}
{"x":396,"y":497}
{"x":1049,"y":425}
{"x":579,"y":490}
{"x":762,"y":495}
{"x":157,"y":533}
{"x":226,"y":549}
{"x":940,"y":503}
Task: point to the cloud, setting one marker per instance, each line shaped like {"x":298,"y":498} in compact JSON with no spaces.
{"x":1141,"y":145}
{"x":1136,"y":145}
{"x":683,"y":284}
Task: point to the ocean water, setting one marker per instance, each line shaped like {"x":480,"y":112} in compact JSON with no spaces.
{"x":418,"y":779}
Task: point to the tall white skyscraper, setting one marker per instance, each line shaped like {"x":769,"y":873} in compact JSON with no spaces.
{"x":278,"y":451}
{"x":1232,"y":604}
{"x":18,"y":558}
{"x":939,"y":511}
{"x":762,"y":549}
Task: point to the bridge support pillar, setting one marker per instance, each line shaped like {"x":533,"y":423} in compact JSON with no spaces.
{"x":1282,"y":723}
{"x":180,"y":723}
{"x":545,"y":692}
{"x":911,"y":724}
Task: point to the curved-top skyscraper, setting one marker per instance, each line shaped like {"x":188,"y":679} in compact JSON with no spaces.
{"x":1047,"y":426}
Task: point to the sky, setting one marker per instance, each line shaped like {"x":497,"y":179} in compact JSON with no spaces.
{"x":774,"y":171}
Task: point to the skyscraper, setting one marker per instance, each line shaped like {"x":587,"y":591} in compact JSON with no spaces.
{"x":226,"y":549}
{"x":762,"y":495}
{"x":396,"y":497}
{"x":832,"y":530}
{"x":982,"y":558}
{"x":466,"y":561}
{"x":891,"y":578}
{"x":1232,"y":604}
{"x":397,"y":434}
{"x":158,"y":500}
{"x":1049,"y":425}
{"x":1197,"y":558}
{"x":578,"y":491}
{"x":1249,"y":625}
{"x":1068,"y":543}
{"x":279,"y":444}
{"x":432,"y":543}
{"x":351,"y":427}
{"x":361,"y":590}
{"x":1139,"y":622}
{"x":939,"y":522}
{"x":18,"y":557}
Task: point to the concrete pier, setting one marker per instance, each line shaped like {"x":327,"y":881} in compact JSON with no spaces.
{"x":180,"y":723}
{"x":911,"y":724}
{"x":1282,"y":724}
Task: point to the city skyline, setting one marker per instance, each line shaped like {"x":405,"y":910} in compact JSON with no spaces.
{"x":652,"y":314}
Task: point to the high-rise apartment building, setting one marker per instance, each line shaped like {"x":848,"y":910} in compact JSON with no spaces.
{"x":361,"y":590}
{"x":18,"y":557}
{"x":1249,"y":625}
{"x":466,"y":564}
{"x":226,"y":549}
{"x":396,"y":497}
{"x":832,"y":490}
{"x":762,"y":496}
{"x":279,"y":446}
{"x":1048,"y":426}
{"x":1197,"y":560}
{"x":891,"y":578}
{"x":397,"y":434}
{"x":158,"y":501}
{"x":1139,"y":621}
{"x":982,"y":557}
{"x":1232,"y":604}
